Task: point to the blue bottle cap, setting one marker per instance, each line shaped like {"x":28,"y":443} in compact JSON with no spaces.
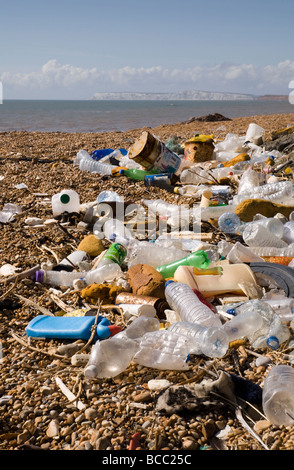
{"x":168,"y":282}
{"x":231,"y":311}
{"x":121,"y":172}
{"x":272,"y":342}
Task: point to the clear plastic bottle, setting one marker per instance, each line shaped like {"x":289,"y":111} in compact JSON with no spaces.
{"x":212,"y":341}
{"x":279,"y":192}
{"x":272,"y":333}
{"x":63,"y":278}
{"x":278,"y":397}
{"x":214,"y":212}
{"x":271,"y":251}
{"x":197,"y":259}
{"x":243,"y":325}
{"x":288,"y":232}
{"x":112,"y":356}
{"x":152,"y":254}
{"x":242,"y":254}
{"x":183,"y":300}
{"x":283,"y":307}
{"x":256,"y":235}
{"x":229,"y":222}
{"x":163,"y":350}
{"x":273,"y":224}
{"x":86,"y":163}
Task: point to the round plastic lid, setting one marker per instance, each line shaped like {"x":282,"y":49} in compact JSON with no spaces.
{"x":273,"y":342}
{"x":39,"y":276}
{"x":64,"y":198}
{"x":168,"y":282}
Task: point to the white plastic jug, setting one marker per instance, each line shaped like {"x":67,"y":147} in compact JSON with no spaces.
{"x":67,"y":200}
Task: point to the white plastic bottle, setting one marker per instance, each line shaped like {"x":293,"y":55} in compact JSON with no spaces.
{"x":85,"y":162}
{"x":283,"y":307}
{"x":183,"y":300}
{"x":213,"y":342}
{"x":278,"y":397}
{"x":72,"y":261}
{"x":66,"y":200}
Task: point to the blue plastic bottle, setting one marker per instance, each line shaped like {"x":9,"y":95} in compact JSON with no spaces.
{"x":44,"y":326}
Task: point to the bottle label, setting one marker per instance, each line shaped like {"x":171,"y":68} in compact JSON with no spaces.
{"x":116,"y":253}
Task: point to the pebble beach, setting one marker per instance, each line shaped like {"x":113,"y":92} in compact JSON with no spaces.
{"x":118,"y":414}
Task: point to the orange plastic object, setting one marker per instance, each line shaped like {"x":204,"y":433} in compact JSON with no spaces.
{"x":285,"y":260}
{"x":135,"y":441}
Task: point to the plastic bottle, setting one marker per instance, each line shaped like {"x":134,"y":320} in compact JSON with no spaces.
{"x":288,"y":232}
{"x":256,"y":235}
{"x":283,"y":307}
{"x":273,"y":224}
{"x":272,"y":333}
{"x":214,"y":212}
{"x":163,"y":350}
{"x":85,"y":162}
{"x":243,"y":324}
{"x":272,"y":251}
{"x":152,"y":254}
{"x":213,"y":342}
{"x":278,"y":397}
{"x":229,"y":222}
{"x":279,"y":192}
{"x":67,"y":200}
{"x":183,"y":300}
{"x":63,"y":278}
{"x":108,"y":196}
{"x":110,"y":357}
{"x":241,"y":254}
{"x":135,"y":174}
{"x":197,"y":259}
{"x":116,"y":253}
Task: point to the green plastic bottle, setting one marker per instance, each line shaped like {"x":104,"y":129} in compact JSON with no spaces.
{"x":135,"y":174}
{"x":197,"y":259}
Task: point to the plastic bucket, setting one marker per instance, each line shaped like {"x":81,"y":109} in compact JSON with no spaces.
{"x":151,"y":153}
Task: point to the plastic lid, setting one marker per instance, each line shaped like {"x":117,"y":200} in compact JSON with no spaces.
{"x":121,"y":172}
{"x":39,"y":276}
{"x":64,"y":198}
{"x":168,"y":282}
{"x":273,"y":342}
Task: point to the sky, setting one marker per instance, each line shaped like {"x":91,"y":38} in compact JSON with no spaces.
{"x":69,"y":49}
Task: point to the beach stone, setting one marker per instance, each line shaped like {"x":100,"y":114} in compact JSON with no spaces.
{"x":91,"y":245}
{"x":189,"y":443}
{"x":145,"y":280}
{"x":261,"y":425}
{"x":53,"y":428}
{"x":263,"y":361}
{"x":90,"y":414}
{"x":247,"y":209}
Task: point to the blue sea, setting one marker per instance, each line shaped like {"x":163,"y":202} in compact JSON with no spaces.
{"x":105,"y":116}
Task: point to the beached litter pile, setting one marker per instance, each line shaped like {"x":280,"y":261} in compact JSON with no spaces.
{"x":145,"y":303}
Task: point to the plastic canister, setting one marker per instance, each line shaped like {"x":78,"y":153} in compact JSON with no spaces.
{"x":44,"y":326}
{"x":150,"y":152}
{"x":67,"y":200}
{"x":231,"y":280}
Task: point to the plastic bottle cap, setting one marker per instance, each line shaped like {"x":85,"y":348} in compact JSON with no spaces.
{"x":64,"y":198}
{"x":114,"y":329}
{"x":168,"y":282}
{"x":231,"y":311}
{"x":39,"y":276}
{"x":121,"y":172}
{"x":272,"y":342}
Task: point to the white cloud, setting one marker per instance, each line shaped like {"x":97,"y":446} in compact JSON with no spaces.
{"x":243,"y":78}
